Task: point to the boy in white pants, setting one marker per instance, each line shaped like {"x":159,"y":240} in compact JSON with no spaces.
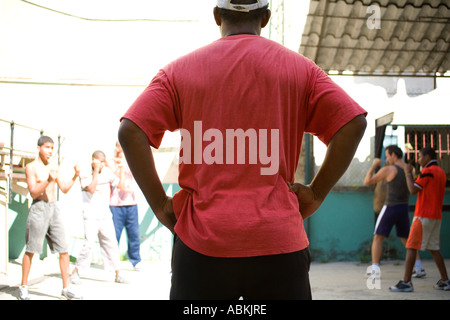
{"x":96,"y":189}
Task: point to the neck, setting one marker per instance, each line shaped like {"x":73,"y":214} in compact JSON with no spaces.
{"x":430,"y":162}
{"x":231,"y":30}
{"x":44,"y":161}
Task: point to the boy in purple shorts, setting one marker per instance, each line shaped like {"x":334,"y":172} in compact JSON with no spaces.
{"x":395,"y":210}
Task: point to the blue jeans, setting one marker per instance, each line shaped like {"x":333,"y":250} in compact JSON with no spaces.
{"x":127,"y":217}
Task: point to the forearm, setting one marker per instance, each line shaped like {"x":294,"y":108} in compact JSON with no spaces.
{"x":340,"y":153}
{"x":38,"y":189}
{"x":410,"y":183}
{"x":93,"y":185}
{"x":66,"y":186}
{"x":121,"y":175}
{"x":140,"y":160}
{"x":369,"y":175}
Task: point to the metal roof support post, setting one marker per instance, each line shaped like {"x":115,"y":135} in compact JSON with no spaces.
{"x":11,"y":164}
{"x":59,"y":162}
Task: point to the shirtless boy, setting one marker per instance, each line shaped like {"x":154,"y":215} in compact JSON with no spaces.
{"x":44,"y":217}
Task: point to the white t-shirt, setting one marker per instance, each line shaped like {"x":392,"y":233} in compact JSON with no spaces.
{"x":99,"y":200}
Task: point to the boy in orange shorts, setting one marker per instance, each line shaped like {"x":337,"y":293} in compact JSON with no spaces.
{"x":426,"y":226}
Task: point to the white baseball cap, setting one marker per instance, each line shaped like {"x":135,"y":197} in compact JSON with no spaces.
{"x":226,"y":4}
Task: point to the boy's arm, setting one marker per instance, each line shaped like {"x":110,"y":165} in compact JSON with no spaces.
{"x":91,"y":187}
{"x":65,"y":186}
{"x":121,"y":175}
{"x":409,"y":180}
{"x":117,"y":168}
{"x":140,"y":160}
{"x":340,"y":153}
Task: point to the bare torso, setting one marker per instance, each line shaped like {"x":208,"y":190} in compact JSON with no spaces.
{"x":42,"y":180}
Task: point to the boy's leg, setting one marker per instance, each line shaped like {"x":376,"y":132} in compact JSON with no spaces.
{"x":90,"y":236}
{"x":108,"y":244}
{"x":377,"y":246}
{"x":383,"y":227}
{"x":413,"y":245}
{"x":26,"y":266}
{"x":64,"y":266}
{"x":410,"y":260}
{"x":36,"y":228}
{"x":439,"y":260}
{"x":134,"y":239}
{"x":119,"y":217}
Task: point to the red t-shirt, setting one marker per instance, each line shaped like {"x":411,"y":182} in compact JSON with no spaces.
{"x":243,"y":104}
{"x":430,"y":199}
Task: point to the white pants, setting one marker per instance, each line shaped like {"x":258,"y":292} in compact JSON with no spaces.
{"x":100,"y":226}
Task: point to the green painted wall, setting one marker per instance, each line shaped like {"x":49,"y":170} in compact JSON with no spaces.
{"x":17,"y":220}
{"x":342,"y":229}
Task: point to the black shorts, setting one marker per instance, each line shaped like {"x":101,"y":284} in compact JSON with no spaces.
{"x":389,"y":217}
{"x":276,"y":277}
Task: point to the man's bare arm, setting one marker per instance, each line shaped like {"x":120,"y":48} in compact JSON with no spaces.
{"x":139,"y":157}
{"x":372,"y":177}
{"x":340,"y":153}
{"x":65,"y":186}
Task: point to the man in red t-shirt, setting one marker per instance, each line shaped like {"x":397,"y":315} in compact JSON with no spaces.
{"x":242,"y":105}
{"x":426,"y":226}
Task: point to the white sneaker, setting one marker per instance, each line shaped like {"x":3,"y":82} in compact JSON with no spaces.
{"x":69,"y":294}
{"x":419,"y":273}
{"x":442,"y":285}
{"x":75,"y":278}
{"x":23,"y":293}
{"x":138,"y":267}
{"x":120,"y":279}
{"x":373,"y":273}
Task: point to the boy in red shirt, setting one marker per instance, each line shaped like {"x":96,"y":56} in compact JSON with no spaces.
{"x":426,"y":226}
{"x":242,"y":105}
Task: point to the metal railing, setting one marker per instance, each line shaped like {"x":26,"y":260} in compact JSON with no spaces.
{"x":15,"y":151}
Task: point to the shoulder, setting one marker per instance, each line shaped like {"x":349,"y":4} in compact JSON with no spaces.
{"x":30,"y":168}
{"x":31,"y":165}
{"x":108,"y":172}
{"x":427,"y":172}
{"x":388,"y":170}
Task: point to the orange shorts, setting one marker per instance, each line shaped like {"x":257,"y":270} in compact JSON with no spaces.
{"x":424,"y":234}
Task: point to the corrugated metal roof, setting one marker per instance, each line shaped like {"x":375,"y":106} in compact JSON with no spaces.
{"x":412,"y":38}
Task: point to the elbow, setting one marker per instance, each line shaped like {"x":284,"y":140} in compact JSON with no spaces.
{"x":125,"y":131}
{"x":35,"y":195}
{"x":129,"y":132}
{"x":87,"y":189}
{"x":360,"y":125}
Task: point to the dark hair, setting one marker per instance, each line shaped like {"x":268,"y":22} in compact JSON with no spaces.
{"x":98,"y":154}
{"x":429,"y":151}
{"x":237,"y":17}
{"x":395,"y":150}
{"x":44,"y":139}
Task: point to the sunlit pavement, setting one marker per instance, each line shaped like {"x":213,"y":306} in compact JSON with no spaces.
{"x":329,"y":281}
